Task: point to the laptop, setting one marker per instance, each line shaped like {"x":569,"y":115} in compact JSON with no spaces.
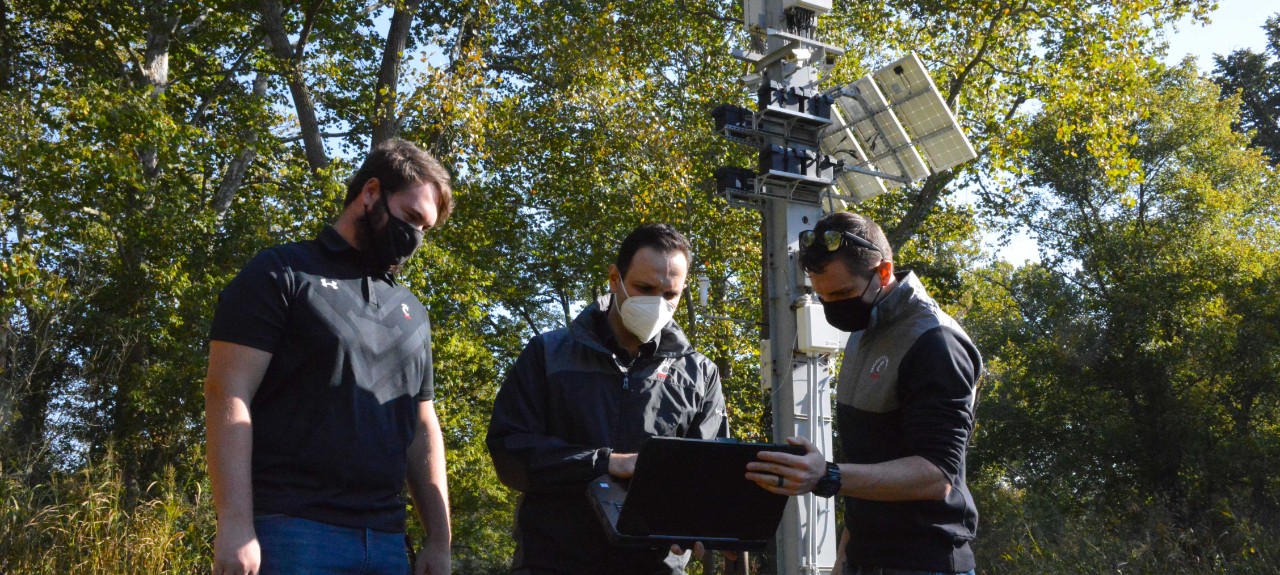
{"x":687,"y":490}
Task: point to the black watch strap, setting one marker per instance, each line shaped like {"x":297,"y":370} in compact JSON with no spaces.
{"x":829,"y":484}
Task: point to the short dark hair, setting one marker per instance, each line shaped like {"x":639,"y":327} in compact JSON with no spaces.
{"x":659,"y":237}
{"x":860,"y":261}
{"x":398,"y":164}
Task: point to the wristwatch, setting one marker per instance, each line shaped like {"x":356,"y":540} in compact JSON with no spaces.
{"x":829,"y":484}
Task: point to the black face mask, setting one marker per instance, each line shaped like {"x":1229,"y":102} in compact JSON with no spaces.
{"x":393,"y":244}
{"x":851,"y":314}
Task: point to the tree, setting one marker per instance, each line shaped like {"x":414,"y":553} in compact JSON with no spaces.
{"x":993,"y":61}
{"x":1255,"y":78}
{"x":1135,"y":354}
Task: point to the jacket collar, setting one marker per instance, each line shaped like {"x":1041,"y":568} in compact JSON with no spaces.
{"x":908,"y":293}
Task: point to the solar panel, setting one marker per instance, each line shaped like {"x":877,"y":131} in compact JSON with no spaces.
{"x":924,"y":114}
{"x":838,"y":141}
{"x":880,"y":133}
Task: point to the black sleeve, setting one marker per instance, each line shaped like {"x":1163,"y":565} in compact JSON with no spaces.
{"x":527,"y":458}
{"x":253,"y":308}
{"x":428,"y":390}
{"x":712,"y":420}
{"x":939,"y":376}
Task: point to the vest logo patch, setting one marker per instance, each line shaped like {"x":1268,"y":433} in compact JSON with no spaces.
{"x":404,"y":307}
{"x":663,"y":370}
{"x":331,"y":284}
{"x":879,"y":366}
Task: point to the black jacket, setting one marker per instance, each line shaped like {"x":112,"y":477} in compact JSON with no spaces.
{"x":572,"y":399}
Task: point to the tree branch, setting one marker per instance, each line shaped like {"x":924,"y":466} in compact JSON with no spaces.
{"x":192,"y":25}
{"x":234,"y":176}
{"x":385,"y":124}
{"x":326,"y":135}
{"x":308,"y":22}
{"x":228,"y":78}
{"x":312,"y":143}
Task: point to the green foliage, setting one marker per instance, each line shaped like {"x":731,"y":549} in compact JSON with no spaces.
{"x":1255,"y":78}
{"x":1025,"y":532}
{"x":148,"y":149}
{"x":1130,"y":363}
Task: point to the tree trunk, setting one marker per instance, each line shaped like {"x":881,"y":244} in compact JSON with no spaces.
{"x":234,"y":177}
{"x":290,"y":57}
{"x":386,"y":122}
{"x":155,"y":70}
{"x":930,"y":193}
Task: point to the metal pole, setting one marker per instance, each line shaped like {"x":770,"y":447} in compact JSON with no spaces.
{"x":785,"y":53}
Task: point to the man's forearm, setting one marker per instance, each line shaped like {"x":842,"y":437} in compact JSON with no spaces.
{"x":235,"y":371}
{"x":906,"y":479}
{"x":428,"y":483}
{"x":229,"y":447}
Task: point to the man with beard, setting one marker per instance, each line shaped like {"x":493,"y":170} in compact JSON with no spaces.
{"x":904,"y":411}
{"x":580,"y":400}
{"x":318,"y":400}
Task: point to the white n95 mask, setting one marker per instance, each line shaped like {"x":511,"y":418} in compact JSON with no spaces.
{"x":645,"y":315}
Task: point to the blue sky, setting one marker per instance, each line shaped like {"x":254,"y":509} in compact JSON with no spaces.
{"x":1235,"y":24}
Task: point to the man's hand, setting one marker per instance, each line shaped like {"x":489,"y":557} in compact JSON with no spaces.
{"x":698,"y":550}
{"x":236,"y":552}
{"x":622,"y":465}
{"x":430,"y":560}
{"x":787,"y":474}
{"x":732,"y":567}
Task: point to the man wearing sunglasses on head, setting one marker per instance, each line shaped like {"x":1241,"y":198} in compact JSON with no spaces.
{"x":318,"y":401}
{"x":904,"y":411}
{"x":581,"y":400}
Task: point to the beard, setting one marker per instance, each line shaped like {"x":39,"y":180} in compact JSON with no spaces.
{"x":369,"y":234}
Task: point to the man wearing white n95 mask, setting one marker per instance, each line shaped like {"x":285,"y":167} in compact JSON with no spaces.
{"x":580,"y":400}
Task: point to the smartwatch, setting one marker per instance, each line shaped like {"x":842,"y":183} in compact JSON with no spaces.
{"x":829,"y":484}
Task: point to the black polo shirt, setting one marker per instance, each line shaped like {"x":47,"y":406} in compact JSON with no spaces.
{"x":351,"y":359}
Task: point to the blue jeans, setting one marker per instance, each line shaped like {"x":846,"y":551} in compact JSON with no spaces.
{"x":296,"y":546}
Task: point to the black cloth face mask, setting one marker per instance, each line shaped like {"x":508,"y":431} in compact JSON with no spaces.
{"x":393,"y":244}
{"x":851,"y":314}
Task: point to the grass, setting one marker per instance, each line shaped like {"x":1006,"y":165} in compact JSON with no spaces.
{"x":91,"y":522}
{"x":1021,"y":534}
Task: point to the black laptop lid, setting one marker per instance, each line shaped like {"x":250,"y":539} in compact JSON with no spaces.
{"x":696,"y":488}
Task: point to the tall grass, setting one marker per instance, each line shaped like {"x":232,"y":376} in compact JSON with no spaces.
{"x":1024,"y":534}
{"x":90,"y":522}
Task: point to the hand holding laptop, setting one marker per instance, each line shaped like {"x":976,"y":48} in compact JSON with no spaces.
{"x":788,"y":474}
{"x":622,"y":465}
{"x":688,"y":493}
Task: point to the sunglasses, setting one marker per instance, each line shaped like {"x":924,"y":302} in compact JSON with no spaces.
{"x":832,"y":239}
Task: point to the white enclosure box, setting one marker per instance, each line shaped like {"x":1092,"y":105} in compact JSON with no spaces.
{"x":815,"y":335}
{"x":818,"y":7}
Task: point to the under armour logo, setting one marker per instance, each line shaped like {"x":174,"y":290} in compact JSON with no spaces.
{"x":404,"y":307}
{"x":331,"y":284}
